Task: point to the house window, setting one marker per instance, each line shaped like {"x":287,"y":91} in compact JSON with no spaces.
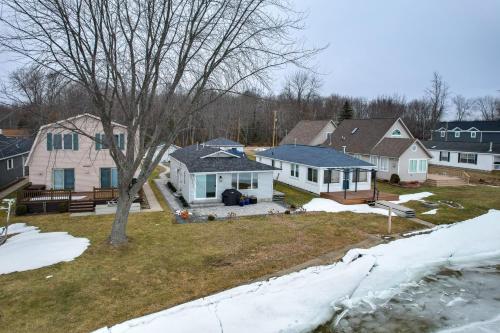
{"x":109,"y":177}
{"x":384,"y":164}
{"x":396,"y":132}
{"x":417,"y":166}
{"x":473,"y":135}
{"x":331,"y":176}
{"x":374,"y":160}
{"x":443,"y":134}
{"x":360,"y":176}
{"x":63,"y":179}
{"x":414,"y":147}
{"x":10,"y":164}
{"x":444,"y":156}
{"x":101,"y":141}
{"x":294,"y":170}
{"x":329,"y":137}
{"x":68,"y":141}
{"x":312,"y":175}
{"x":120,"y":140}
{"x":469,"y":158}
{"x":245,"y":181}
{"x":457,"y":134}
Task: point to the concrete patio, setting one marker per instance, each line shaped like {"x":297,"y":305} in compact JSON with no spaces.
{"x":221,"y":211}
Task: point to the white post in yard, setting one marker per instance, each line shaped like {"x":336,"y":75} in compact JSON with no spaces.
{"x":389,"y":221}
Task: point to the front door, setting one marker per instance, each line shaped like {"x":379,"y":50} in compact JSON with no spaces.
{"x":64,"y":179}
{"x":345,"y":184}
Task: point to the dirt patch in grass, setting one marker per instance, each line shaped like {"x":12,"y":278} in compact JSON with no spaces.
{"x":165,"y":264}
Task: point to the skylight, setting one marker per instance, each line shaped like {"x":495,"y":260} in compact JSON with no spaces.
{"x":354,"y":130}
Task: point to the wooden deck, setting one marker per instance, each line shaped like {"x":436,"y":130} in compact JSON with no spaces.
{"x":445,"y":180}
{"x":359,"y":197}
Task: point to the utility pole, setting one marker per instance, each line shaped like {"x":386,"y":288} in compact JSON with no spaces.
{"x":274,"y":127}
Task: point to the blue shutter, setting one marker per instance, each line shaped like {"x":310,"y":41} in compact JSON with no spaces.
{"x":49,"y":141}
{"x":75,"y":141}
{"x":98,"y":144}
{"x":121,"y":141}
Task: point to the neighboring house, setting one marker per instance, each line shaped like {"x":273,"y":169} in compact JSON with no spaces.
{"x":310,"y":132}
{"x":13,"y":154}
{"x":386,"y":143}
{"x":201,"y":173}
{"x":317,"y":169}
{"x":224,"y":144}
{"x":466,"y":144}
{"x":61,"y":158}
{"x":166,"y":156}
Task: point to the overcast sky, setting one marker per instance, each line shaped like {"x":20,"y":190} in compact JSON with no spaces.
{"x":379,"y":47}
{"x":386,"y":47}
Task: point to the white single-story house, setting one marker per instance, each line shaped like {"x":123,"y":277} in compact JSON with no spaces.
{"x":317,"y":169}
{"x":201,"y":173}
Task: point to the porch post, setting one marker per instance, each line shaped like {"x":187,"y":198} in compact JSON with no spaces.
{"x":357,"y":178}
{"x":374,"y":173}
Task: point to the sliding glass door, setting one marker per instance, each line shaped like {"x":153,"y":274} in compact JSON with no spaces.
{"x":109,"y":177}
{"x":206,"y":186}
{"x":63,"y":179}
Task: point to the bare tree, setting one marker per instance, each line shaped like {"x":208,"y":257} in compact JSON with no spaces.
{"x":151,"y":64}
{"x":437,"y":95}
{"x":463,"y":107}
{"x":486,"y":107}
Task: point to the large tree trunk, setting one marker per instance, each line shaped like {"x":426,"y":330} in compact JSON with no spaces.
{"x":118,"y":230}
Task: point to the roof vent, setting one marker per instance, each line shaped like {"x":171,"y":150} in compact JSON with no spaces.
{"x":354,"y":130}
{"x":343,"y":148}
{"x":491,"y":146}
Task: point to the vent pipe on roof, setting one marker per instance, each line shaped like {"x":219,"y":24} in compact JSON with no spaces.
{"x":343,"y":148}
{"x":197,"y":145}
{"x":295,"y":142}
{"x":491,"y":146}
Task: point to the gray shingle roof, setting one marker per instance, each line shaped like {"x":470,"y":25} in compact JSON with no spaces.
{"x":466,"y":147}
{"x":482,"y":125}
{"x":322,"y":157}
{"x":223,"y":142}
{"x":392,"y":147}
{"x":304,"y":132}
{"x":14,"y":146}
{"x":191,"y":156}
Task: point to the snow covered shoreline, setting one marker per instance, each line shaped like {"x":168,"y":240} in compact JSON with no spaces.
{"x":301,"y":301}
{"x":30,"y":249}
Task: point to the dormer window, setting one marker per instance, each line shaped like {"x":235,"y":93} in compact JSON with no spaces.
{"x":457,"y":134}
{"x":396,"y":132}
{"x":473,"y":135}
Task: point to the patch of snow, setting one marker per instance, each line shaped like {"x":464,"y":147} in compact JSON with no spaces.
{"x":431,"y":212}
{"x":30,"y":249}
{"x":331,"y":206}
{"x":491,"y":325}
{"x":299,"y":302}
{"x":414,"y":196}
{"x":261,"y":149}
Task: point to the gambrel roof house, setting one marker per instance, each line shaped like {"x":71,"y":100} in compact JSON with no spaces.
{"x":385,"y":142}
{"x":309,"y":132}
{"x":466,"y":144}
{"x":63,"y":158}
{"x":201,"y":173}
{"x":317,"y":169}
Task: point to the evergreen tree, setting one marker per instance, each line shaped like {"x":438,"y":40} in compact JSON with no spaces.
{"x":347,"y":112}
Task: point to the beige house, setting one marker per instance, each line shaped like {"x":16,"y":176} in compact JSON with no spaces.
{"x":310,"y":133}
{"x":386,"y":143}
{"x":62,"y":158}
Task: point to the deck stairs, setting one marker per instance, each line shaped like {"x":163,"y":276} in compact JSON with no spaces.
{"x":278,"y":196}
{"x":81,"y":206}
{"x":397,"y":209}
{"x":441,"y":181}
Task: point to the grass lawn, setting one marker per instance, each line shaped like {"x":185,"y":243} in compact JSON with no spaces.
{"x":294,"y":196}
{"x":165,"y":264}
{"x":476,"y":200}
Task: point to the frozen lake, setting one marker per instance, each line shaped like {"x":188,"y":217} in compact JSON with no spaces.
{"x":453,"y":300}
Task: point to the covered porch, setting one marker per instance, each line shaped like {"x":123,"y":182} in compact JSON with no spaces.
{"x":352,"y":193}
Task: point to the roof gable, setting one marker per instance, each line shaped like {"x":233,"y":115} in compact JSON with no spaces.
{"x":222,"y":142}
{"x":305,"y":131}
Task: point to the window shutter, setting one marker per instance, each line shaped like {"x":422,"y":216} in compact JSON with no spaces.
{"x":121,"y":141}
{"x":75,"y":141}
{"x":49,"y":141}
{"x":98,"y":144}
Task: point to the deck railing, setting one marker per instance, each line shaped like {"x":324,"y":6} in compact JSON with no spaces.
{"x":44,"y":195}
